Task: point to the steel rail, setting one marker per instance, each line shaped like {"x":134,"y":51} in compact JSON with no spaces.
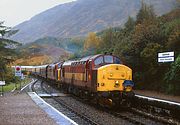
{"x":71,"y":109}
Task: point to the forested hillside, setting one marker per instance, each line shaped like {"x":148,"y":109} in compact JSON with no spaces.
{"x":138,"y":43}
{"x":82,"y":16}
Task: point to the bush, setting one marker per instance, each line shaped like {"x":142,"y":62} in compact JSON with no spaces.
{"x":172,"y":78}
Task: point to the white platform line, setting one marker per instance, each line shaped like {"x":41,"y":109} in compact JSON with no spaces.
{"x":159,"y":100}
{"x":27,"y":85}
{"x":60,"y":118}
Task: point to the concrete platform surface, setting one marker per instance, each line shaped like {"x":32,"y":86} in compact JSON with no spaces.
{"x":60,"y":118}
{"x":19,"y":109}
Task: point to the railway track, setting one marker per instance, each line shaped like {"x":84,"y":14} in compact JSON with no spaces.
{"x":157,"y":118}
{"x":132,"y":116}
{"x":63,"y":107}
{"x":157,"y":110}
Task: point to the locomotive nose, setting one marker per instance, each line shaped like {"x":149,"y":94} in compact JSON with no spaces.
{"x":112,"y":76}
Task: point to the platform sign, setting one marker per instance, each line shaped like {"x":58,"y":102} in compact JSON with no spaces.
{"x":17,"y":70}
{"x":166,"y":57}
{"x":2,"y":83}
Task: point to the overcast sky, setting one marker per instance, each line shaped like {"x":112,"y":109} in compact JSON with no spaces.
{"x":14,"y":12}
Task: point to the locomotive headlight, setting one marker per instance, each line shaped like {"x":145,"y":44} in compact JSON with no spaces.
{"x":102,"y":84}
{"x":111,"y":75}
{"x":117,"y":84}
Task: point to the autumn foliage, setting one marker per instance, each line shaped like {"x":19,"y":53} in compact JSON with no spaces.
{"x":138,"y":43}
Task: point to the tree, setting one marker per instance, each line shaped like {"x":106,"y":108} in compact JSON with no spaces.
{"x":172,"y":78}
{"x":108,"y":41}
{"x":7,"y":53}
{"x":145,"y":13}
{"x":4,"y":29}
{"x":91,"y":43}
{"x":11,"y":32}
{"x":174,"y":41}
{"x":130,"y":24}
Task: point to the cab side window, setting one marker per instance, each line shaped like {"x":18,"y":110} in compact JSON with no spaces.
{"x":99,"y":60}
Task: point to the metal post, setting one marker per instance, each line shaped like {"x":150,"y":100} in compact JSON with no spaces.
{"x":15,"y":85}
{"x":2,"y":91}
{"x":20,"y":84}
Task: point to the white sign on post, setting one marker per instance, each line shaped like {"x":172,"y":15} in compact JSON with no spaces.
{"x":166,"y":57}
{"x":2,"y":83}
{"x":17,"y":70}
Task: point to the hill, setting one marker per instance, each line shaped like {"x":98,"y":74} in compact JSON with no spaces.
{"x":39,"y":54}
{"x":82,"y":16}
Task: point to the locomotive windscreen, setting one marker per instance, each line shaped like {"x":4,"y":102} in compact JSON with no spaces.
{"x":107,"y":59}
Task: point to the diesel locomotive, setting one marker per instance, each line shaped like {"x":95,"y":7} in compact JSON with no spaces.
{"x":101,"y":77}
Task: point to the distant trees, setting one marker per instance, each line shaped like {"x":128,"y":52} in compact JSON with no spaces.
{"x":91,"y":43}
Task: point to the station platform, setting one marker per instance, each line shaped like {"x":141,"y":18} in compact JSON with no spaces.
{"x":158,"y":95}
{"x":29,"y":109}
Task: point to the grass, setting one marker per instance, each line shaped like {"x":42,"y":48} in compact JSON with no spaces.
{"x":9,"y":87}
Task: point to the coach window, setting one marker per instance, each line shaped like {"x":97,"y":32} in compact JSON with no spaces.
{"x":108,"y":59}
{"x":98,"y":60}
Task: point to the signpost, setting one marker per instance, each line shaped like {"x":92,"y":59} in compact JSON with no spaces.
{"x":166,"y":57}
{"x":17,"y":70}
{"x":2,"y":83}
{"x":18,"y":73}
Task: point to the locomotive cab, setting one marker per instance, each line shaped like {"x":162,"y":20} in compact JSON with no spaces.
{"x":113,"y":79}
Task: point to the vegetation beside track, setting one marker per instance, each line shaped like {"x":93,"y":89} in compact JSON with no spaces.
{"x":18,"y":85}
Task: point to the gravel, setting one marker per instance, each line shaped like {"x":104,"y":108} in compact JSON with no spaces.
{"x":96,"y":115}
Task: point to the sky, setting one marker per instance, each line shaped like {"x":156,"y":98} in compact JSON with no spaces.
{"x":14,"y":12}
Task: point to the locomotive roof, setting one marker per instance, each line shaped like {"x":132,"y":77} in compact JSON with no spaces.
{"x":86,"y":58}
{"x":91,"y":57}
